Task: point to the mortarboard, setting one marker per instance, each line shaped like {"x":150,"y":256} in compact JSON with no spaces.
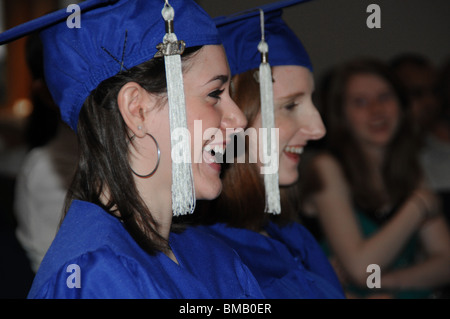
{"x":75,"y":62}
{"x":117,"y":34}
{"x":241,"y":34}
{"x":259,"y":38}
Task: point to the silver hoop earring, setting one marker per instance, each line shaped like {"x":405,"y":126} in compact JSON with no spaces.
{"x":157,"y":162}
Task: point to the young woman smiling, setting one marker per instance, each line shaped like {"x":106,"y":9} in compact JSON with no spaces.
{"x":114,"y":88}
{"x":283,"y":256}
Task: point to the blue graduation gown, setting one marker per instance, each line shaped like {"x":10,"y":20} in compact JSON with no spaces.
{"x":110,"y":264}
{"x":288,"y":264}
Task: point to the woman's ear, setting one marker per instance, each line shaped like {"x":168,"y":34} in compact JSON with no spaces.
{"x":134,"y":103}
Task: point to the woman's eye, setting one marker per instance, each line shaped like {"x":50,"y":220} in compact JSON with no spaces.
{"x":290,"y":106}
{"x":359,"y":102}
{"x":216,"y":94}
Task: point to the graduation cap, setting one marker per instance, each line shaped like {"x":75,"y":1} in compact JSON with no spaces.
{"x":241,"y":34}
{"x":259,"y":38}
{"x":116,"y":35}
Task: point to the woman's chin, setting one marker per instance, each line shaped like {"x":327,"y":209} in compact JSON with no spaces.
{"x":208,"y":192}
{"x":288,"y":179}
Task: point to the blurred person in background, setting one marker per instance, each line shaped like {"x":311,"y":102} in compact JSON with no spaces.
{"x":428,"y":89}
{"x":48,"y":168}
{"x":367,"y":191}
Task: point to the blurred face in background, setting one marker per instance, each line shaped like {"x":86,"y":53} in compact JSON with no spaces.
{"x":371,"y":109}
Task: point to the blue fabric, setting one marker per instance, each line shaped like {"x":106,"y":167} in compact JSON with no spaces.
{"x":75,"y":62}
{"x":112,"y":265}
{"x":288,"y":264}
{"x":241,"y":35}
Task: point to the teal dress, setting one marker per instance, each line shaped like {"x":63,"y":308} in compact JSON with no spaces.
{"x":370,"y":225}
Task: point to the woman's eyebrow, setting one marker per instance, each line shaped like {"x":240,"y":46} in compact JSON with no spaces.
{"x":222,"y":78}
{"x":292,"y":96}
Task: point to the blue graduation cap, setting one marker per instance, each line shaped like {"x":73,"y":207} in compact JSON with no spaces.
{"x":117,"y":35}
{"x":241,"y":34}
{"x":76,"y":60}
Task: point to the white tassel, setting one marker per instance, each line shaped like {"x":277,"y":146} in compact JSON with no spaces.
{"x":271,"y":182}
{"x":183,"y":191}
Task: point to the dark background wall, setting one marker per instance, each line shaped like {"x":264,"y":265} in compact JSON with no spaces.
{"x":335,"y":30}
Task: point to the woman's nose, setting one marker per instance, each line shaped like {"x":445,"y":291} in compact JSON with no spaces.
{"x":313,"y":126}
{"x":233,"y":116}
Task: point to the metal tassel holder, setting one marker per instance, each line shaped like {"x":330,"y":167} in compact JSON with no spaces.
{"x":271,"y":182}
{"x":183,"y":191}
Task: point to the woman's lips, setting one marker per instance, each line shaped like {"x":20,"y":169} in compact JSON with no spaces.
{"x":213,"y":155}
{"x":293,"y":152}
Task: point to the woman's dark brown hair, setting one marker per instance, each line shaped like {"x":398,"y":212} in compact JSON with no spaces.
{"x":103,"y":168}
